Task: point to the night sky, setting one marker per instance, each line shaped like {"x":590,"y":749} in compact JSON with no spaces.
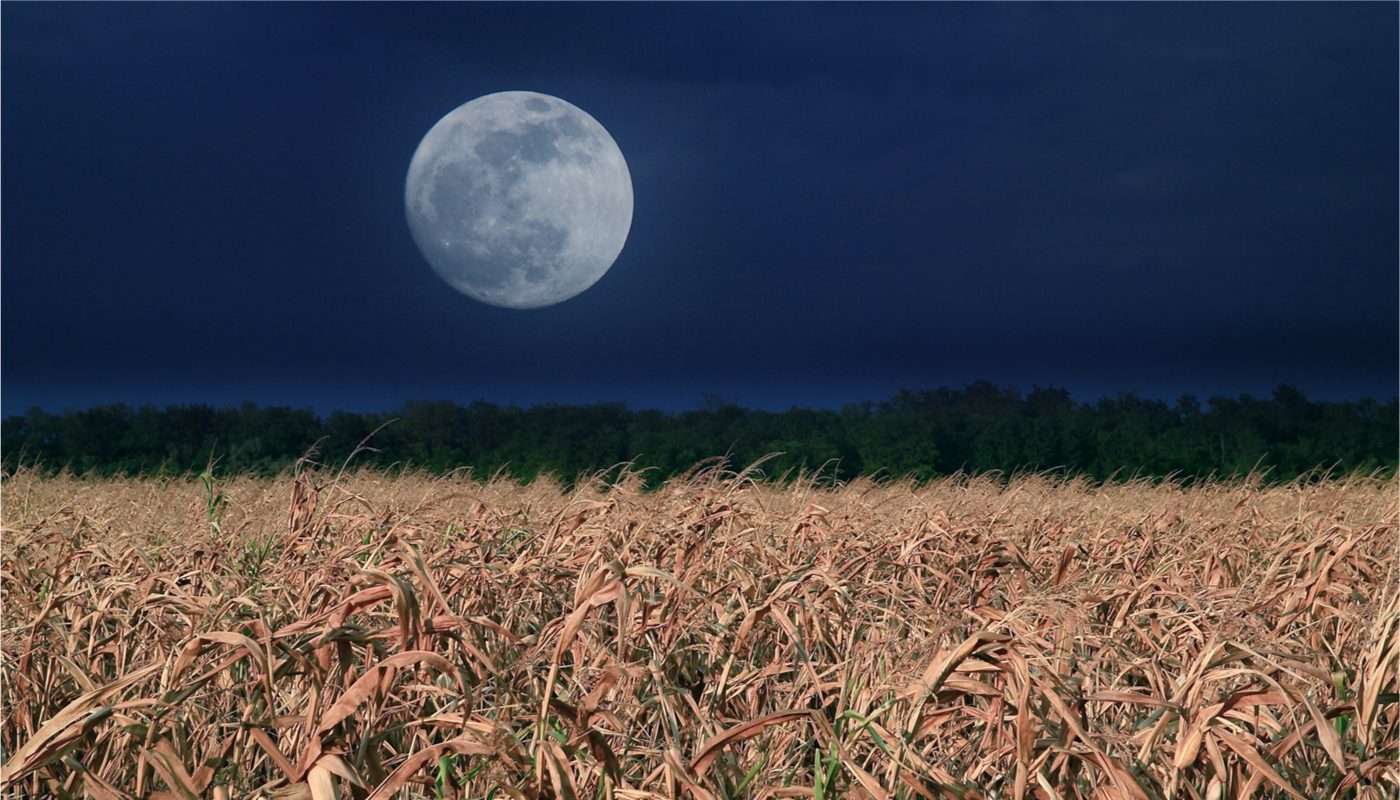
{"x":204,"y":203}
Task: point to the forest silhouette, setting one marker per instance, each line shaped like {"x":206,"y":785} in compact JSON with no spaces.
{"x":978,"y":428}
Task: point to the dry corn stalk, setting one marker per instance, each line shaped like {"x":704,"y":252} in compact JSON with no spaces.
{"x":720,"y":637}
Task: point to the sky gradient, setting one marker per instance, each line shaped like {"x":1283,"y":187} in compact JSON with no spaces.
{"x":204,"y":203}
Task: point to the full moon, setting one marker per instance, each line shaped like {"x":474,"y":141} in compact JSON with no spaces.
{"x":519,"y":199}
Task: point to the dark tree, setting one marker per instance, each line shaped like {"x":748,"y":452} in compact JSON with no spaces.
{"x":922,"y":434}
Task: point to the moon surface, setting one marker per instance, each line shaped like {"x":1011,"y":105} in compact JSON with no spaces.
{"x":519,"y":199}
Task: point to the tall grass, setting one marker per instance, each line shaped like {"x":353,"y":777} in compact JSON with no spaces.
{"x":373,"y":636}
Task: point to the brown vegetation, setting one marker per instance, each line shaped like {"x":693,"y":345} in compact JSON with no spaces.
{"x":384,"y":636}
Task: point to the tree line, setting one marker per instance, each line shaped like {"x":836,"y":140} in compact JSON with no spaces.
{"x":977,"y":428}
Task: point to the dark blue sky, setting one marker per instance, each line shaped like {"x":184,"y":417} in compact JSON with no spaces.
{"x":204,"y":203}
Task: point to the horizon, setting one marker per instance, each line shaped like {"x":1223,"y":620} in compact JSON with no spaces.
{"x":708,"y":401}
{"x":977,"y":429}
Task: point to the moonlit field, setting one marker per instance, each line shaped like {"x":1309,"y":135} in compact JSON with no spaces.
{"x":699,"y":401}
{"x":370,"y":635}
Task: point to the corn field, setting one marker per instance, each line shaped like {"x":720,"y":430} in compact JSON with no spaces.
{"x":372,"y":635}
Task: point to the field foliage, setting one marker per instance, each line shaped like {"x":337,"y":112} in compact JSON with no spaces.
{"x":368,"y":635}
